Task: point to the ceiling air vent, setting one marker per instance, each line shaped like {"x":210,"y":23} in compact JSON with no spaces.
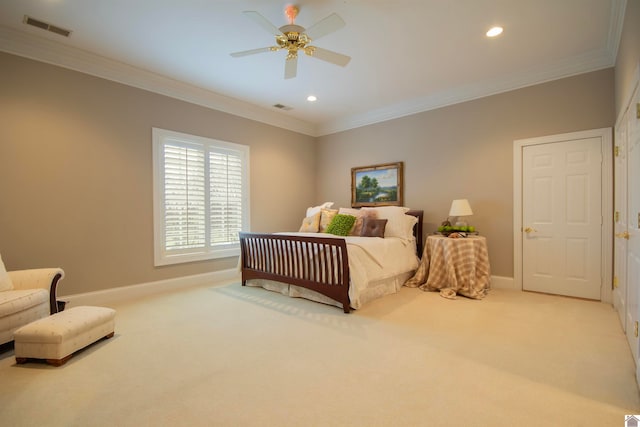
{"x":46,"y":26}
{"x":282,"y":107}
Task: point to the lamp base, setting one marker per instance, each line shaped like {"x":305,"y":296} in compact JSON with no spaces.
{"x":458,"y":222}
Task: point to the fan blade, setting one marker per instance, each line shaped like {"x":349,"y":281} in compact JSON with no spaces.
{"x":253,"y":51}
{"x":291,"y":67}
{"x":328,"y":25}
{"x":328,"y":55}
{"x":263,"y":22}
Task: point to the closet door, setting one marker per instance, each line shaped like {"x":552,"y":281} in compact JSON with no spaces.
{"x":620,"y":223}
{"x":633,"y":215}
{"x":626,"y":279}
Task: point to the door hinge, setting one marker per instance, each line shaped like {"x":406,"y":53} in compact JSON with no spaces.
{"x":616,"y":150}
{"x":615,"y":282}
{"x":616,"y":216}
{"x":635,"y":329}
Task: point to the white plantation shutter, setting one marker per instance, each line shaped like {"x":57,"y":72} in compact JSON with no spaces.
{"x":225,"y":178}
{"x":200,"y":197}
{"x":184,"y":197}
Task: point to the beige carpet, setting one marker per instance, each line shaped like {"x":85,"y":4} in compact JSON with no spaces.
{"x":233,"y":356}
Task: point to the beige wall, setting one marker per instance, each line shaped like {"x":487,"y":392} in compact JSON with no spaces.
{"x":466,"y":151}
{"x":75,"y":164}
{"x":628,"y":59}
{"x":76,"y":180}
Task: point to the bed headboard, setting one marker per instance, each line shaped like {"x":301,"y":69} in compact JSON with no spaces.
{"x":417,"y":229}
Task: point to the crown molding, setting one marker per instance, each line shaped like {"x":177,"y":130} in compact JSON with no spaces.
{"x":592,"y":61}
{"x":51,"y":52}
{"x":616,"y":23}
{"x":45,"y":50}
{"x":588,"y":62}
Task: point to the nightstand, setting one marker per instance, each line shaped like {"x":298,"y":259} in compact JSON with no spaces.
{"x":454,"y":266}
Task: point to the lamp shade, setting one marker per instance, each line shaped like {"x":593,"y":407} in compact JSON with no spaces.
{"x":460,"y":207}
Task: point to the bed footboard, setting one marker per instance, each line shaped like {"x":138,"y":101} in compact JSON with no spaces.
{"x":320,"y":264}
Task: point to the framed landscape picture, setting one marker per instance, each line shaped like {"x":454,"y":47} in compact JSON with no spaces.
{"x":378,"y":185}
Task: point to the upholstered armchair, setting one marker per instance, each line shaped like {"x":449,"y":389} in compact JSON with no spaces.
{"x":30,"y":296}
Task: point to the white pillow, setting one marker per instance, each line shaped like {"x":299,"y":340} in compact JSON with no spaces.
{"x":5,"y":280}
{"x":410,"y":222}
{"x":398,"y":224}
{"x":316,"y":209}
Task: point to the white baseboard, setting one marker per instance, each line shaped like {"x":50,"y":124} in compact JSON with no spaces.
{"x":130,"y":292}
{"x":501,"y":282}
{"x":123,"y":293}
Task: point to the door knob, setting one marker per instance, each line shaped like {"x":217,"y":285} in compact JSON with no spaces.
{"x":529,"y":230}
{"x":623,"y":235}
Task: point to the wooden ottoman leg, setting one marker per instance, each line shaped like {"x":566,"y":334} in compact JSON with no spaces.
{"x":110,"y":335}
{"x":59,"y":362}
{"x":21,"y":360}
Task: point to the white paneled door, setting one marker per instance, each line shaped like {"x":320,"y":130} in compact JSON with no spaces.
{"x":626,"y":280}
{"x":620,"y":223}
{"x":633,"y":222}
{"x":562,"y":217}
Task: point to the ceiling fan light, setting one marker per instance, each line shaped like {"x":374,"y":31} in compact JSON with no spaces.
{"x":295,"y":29}
{"x":294,"y":38}
{"x":494,"y":31}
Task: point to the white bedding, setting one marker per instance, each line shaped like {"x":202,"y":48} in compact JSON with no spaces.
{"x":377,"y":266}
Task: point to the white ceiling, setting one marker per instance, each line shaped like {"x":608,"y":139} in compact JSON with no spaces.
{"x":407,"y":55}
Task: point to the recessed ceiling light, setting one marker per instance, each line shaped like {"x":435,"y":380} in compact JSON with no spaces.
{"x":311,"y":98}
{"x":494,"y":32}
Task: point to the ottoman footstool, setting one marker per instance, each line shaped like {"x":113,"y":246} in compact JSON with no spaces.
{"x":57,"y":337}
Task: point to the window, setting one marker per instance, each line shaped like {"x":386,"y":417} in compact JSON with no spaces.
{"x":201,"y":197}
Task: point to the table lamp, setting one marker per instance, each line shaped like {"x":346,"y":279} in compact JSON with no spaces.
{"x":460,"y":207}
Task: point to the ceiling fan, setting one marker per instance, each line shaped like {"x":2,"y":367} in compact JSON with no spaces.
{"x":295,"y":38}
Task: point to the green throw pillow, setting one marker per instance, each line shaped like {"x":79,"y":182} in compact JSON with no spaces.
{"x":341,"y":224}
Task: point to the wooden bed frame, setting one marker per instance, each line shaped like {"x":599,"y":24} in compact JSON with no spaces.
{"x":320,"y":264}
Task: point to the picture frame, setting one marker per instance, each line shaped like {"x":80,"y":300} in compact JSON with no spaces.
{"x":377,"y":185}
